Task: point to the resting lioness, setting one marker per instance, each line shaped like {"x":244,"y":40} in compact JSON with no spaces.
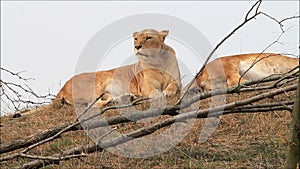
{"x":231,"y":70}
{"x":156,"y":72}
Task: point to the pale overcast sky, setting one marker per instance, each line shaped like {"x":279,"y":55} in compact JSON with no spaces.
{"x":46,"y":39}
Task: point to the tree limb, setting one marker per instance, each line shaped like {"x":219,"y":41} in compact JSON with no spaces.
{"x":213,"y":112}
{"x":247,"y":19}
{"x":14,"y":92}
{"x":170,"y":110}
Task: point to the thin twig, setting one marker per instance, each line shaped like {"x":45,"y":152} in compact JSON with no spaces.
{"x":136,"y":102}
{"x":15,"y":93}
{"x":170,"y":110}
{"x":279,"y":21}
{"x":213,"y":112}
{"x":247,"y":19}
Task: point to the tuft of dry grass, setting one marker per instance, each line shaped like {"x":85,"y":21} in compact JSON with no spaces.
{"x":246,"y":140}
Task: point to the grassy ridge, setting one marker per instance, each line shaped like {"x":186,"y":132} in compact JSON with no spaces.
{"x":240,"y":141}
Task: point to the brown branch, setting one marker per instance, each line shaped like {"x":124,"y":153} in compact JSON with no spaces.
{"x":286,"y":105}
{"x":277,"y":103}
{"x":279,"y":21}
{"x":56,"y":157}
{"x":255,"y":110}
{"x":93,"y":147}
{"x":52,"y":158}
{"x":213,"y":112}
{"x":77,"y":150}
{"x":76,"y":123}
{"x":276,"y":41}
{"x":146,"y":114}
{"x":53,"y":134}
{"x":170,"y":110}
{"x":294,"y":75}
{"x":14,"y":145}
{"x":16,"y":74}
{"x":14,"y":92}
{"x":247,"y":19}
{"x":288,"y":76}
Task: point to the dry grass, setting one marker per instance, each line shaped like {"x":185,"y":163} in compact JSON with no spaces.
{"x":240,"y":141}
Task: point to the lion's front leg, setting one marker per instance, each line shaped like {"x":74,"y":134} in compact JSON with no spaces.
{"x":124,"y":98}
{"x":109,"y":99}
{"x":151,"y":88}
{"x":105,"y":100}
{"x":171,"y":90}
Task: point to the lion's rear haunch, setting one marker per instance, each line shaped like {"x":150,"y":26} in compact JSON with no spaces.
{"x":231,"y":70}
{"x":155,"y":72}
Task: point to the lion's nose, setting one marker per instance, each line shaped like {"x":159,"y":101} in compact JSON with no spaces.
{"x":138,"y":47}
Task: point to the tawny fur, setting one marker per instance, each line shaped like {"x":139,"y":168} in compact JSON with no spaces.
{"x":227,"y":71}
{"x":155,"y":72}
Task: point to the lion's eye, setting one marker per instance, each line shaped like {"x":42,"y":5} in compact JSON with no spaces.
{"x":148,"y":38}
{"x":135,"y":39}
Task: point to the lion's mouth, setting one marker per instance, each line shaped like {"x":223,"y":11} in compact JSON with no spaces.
{"x":139,"y":53}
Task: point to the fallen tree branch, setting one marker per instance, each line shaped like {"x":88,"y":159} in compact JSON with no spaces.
{"x":257,"y":109}
{"x":74,"y":125}
{"x":279,"y":21}
{"x":46,"y":134}
{"x":235,"y":107}
{"x":53,"y":158}
{"x":213,"y":112}
{"x":290,"y":102}
{"x":72,"y":152}
{"x":14,"y":94}
{"x":14,"y":145}
{"x":170,"y":110}
{"x":59,"y":157}
{"x":246,"y":20}
{"x":93,"y":147}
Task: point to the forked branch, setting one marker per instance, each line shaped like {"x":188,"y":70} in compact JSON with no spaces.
{"x":16,"y":94}
{"x":213,"y":112}
{"x":51,"y":134}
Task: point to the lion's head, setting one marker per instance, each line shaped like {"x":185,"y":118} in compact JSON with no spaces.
{"x":148,"y":42}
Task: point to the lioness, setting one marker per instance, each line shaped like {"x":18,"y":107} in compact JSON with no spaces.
{"x":156,"y":72}
{"x":230,"y":70}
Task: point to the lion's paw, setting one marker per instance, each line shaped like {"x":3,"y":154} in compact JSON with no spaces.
{"x":124,"y":98}
{"x":168,"y":93}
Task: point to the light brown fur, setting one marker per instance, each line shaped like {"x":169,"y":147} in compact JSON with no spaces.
{"x":227,"y":71}
{"x":155,"y":72}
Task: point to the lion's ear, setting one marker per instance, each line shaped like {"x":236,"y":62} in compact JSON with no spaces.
{"x":164,"y":34}
{"x":134,"y":34}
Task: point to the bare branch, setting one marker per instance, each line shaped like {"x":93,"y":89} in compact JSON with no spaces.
{"x":257,"y":5}
{"x":16,"y":94}
{"x":247,"y":19}
{"x":214,"y":112}
{"x":196,"y":114}
{"x":32,"y":142}
{"x":286,"y":105}
{"x":66,"y":157}
{"x":170,"y":110}
{"x":289,"y":76}
{"x":52,"y":158}
{"x":280,"y":21}
{"x":16,"y":74}
{"x":14,"y":145}
{"x":73,"y":125}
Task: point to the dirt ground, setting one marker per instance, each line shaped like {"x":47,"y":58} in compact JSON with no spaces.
{"x":242,"y":140}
